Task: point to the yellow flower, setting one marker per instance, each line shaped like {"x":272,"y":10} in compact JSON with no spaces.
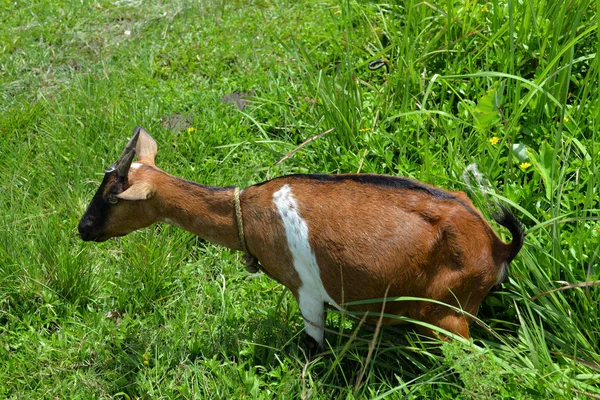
{"x":566,"y":119}
{"x":494,"y":140}
{"x":337,"y":12}
{"x":364,"y":130}
{"x":524,"y":165}
{"x":485,"y":8}
{"x":191,"y":129}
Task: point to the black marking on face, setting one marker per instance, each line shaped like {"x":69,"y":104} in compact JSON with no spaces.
{"x":93,"y":222}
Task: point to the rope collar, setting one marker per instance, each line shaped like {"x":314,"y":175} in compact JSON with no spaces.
{"x":252,"y":264}
{"x":238,"y":217}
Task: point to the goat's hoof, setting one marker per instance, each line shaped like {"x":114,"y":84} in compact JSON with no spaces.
{"x":251,"y":269}
{"x":311,"y":345}
{"x":252,"y":264}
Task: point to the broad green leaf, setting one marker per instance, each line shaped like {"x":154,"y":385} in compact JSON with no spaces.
{"x":519,"y":150}
{"x":546,"y":157}
{"x":543,"y":165}
{"x":486,"y":112}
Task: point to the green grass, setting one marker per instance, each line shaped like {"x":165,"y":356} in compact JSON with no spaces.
{"x":162,"y":314}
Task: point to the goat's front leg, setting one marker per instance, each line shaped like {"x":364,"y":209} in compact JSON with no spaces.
{"x":312,"y":308}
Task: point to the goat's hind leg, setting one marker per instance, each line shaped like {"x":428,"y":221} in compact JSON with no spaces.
{"x":445,"y":318}
{"x":456,"y":323}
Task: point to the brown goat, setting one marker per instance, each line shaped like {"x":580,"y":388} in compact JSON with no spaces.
{"x":328,"y":238}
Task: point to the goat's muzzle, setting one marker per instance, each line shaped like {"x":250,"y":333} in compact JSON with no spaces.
{"x":86,"y":231}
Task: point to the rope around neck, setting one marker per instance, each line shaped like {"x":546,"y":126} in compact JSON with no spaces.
{"x":238,"y":217}
{"x":252,"y":264}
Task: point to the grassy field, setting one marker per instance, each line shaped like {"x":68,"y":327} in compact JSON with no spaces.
{"x":510,"y":85}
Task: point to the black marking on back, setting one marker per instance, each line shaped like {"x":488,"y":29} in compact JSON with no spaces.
{"x":395,"y":182}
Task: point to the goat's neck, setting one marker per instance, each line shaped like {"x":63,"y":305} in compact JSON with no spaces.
{"x":208,"y":212}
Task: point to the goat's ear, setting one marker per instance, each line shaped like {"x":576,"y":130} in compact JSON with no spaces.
{"x":146,"y":147}
{"x":137,"y":191}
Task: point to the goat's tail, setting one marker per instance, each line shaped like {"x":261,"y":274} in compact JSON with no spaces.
{"x":507,"y":219}
{"x":500,"y":213}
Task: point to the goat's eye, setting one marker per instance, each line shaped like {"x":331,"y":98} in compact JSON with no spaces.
{"x":112,"y":199}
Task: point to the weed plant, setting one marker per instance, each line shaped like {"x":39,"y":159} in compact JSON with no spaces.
{"x":509,"y":85}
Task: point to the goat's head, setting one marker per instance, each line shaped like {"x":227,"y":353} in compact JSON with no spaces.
{"x":122,"y":203}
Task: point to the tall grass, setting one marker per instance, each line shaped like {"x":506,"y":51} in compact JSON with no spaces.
{"x":512,"y":86}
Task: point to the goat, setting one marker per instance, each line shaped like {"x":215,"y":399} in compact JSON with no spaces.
{"x":331,"y":239}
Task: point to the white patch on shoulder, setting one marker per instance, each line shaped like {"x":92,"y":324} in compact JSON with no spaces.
{"x":311,"y":294}
{"x":135,"y":165}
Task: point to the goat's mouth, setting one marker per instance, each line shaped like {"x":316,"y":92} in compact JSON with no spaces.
{"x":93,"y":237}
{"x":104,"y":238}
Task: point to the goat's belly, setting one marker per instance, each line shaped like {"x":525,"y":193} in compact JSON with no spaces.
{"x":353,"y":275}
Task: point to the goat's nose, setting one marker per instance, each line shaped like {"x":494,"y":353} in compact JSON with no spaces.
{"x":85,"y":235}
{"x":85,"y":230}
